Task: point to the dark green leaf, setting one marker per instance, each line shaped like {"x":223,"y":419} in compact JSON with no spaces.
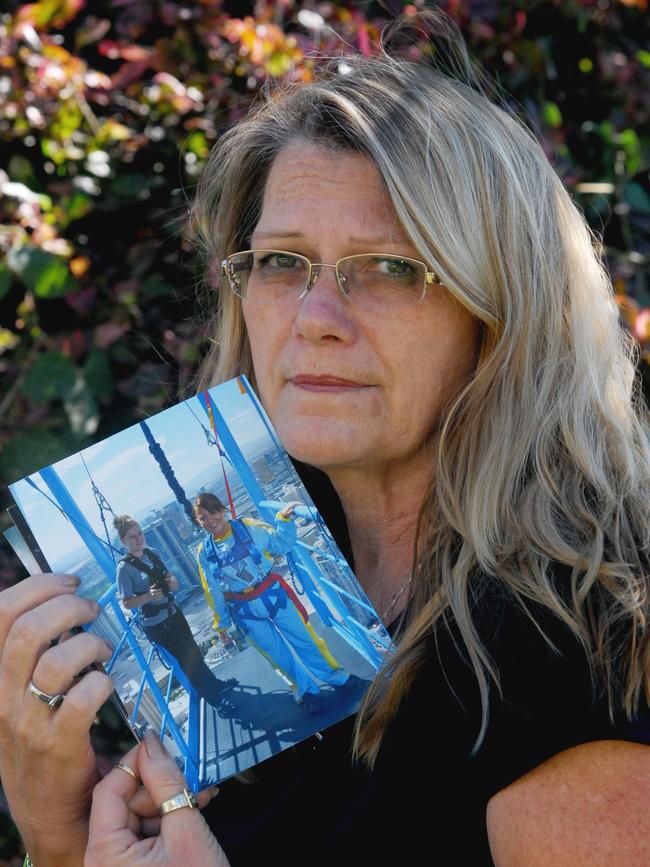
{"x":637,"y":197}
{"x":78,"y":206}
{"x":21,"y":170}
{"x":632,"y":147}
{"x":46,"y":274}
{"x":98,"y":376}
{"x":52,"y":376}
{"x":28,"y":451}
{"x":156,"y":285}
{"x":131,"y":186}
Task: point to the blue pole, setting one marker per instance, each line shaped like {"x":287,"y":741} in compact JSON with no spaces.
{"x":260,"y":411}
{"x":234,"y":453}
{"x":79,"y":522}
{"x":105,"y":561}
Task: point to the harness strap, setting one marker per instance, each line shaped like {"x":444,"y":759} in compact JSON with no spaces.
{"x":288,"y":589}
{"x":149,"y":609}
{"x":261,"y":587}
{"x":253,"y":592}
{"x":243,"y":535}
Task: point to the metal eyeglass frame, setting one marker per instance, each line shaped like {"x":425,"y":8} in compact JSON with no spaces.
{"x":430,"y":277}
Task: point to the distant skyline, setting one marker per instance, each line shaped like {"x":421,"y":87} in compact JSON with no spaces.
{"x":209,"y":478}
{"x":129,"y":477}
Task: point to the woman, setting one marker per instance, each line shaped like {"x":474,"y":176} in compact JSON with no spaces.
{"x":466,"y":391}
{"x":145,"y":584}
{"x":235,"y":562}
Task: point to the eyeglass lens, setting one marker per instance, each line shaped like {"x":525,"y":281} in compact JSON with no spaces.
{"x":371,"y":280}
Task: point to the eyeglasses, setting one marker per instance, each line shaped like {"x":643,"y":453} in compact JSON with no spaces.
{"x":370,"y":280}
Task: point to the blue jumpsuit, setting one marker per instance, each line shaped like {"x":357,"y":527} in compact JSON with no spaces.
{"x":240,"y":585}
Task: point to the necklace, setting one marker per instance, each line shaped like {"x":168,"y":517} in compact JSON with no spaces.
{"x":396,"y":596}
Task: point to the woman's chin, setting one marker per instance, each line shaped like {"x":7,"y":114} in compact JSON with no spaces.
{"x":325,"y":444}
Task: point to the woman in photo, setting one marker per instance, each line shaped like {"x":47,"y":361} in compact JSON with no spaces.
{"x":425,"y":318}
{"x":235,"y":561}
{"x":145,"y":585}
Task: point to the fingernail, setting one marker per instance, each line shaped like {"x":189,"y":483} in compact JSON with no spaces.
{"x":95,"y":607}
{"x":71,"y":581}
{"x":214,"y":792}
{"x":153,"y":745}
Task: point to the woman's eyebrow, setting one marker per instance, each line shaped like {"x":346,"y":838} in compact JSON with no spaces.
{"x":277,"y":233}
{"x":354,"y":239}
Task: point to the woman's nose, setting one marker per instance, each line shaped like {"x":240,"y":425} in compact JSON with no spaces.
{"x":325,"y":313}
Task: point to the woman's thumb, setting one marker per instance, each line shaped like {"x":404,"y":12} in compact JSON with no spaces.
{"x":160,"y":774}
{"x":163,"y":780}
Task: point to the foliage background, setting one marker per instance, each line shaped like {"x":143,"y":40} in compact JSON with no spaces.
{"x":107,"y":112}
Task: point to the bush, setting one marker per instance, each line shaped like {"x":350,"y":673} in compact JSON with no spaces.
{"x":107,"y":114}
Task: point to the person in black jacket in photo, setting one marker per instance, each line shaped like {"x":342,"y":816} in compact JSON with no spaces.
{"x":145,"y":584}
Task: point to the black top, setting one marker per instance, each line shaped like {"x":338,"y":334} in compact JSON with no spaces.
{"x":132,"y":581}
{"x":310,"y":805}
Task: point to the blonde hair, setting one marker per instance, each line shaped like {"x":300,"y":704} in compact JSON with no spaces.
{"x":544,"y":455}
{"x":123,"y":524}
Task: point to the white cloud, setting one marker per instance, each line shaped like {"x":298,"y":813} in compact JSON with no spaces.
{"x":244,"y":414}
{"x":65,"y":464}
{"x":93,"y":452}
{"x":112,"y":469}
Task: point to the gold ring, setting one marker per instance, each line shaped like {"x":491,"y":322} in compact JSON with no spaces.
{"x":124,"y":767}
{"x":52,"y":701}
{"x":183,"y":799}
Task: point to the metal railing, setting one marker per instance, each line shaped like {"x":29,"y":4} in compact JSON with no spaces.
{"x":193,"y":757}
{"x":327,"y":598}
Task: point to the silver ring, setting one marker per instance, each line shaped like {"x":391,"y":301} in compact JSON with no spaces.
{"x":52,"y":701}
{"x":183,"y":799}
{"x":124,"y":767}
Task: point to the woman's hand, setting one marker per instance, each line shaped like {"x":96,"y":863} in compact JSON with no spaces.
{"x":125,"y":830}
{"x":47,"y":764}
{"x":172,"y":581}
{"x":288,"y":510}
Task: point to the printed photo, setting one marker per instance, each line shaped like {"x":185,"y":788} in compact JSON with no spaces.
{"x":237,"y":625}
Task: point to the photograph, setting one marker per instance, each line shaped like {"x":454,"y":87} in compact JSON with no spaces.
{"x":238,"y":628}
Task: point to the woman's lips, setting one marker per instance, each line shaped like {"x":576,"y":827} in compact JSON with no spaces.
{"x":325,"y":383}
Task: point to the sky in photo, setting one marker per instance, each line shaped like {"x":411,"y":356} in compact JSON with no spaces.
{"x":128,"y":475}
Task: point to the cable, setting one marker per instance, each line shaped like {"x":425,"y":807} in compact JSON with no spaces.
{"x":102,"y":503}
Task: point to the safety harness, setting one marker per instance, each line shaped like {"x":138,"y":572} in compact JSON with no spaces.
{"x":243,"y":546}
{"x":157,"y":575}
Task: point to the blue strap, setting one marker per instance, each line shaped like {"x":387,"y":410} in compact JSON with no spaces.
{"x":243,"y":536}
{"x":243,"y":547}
